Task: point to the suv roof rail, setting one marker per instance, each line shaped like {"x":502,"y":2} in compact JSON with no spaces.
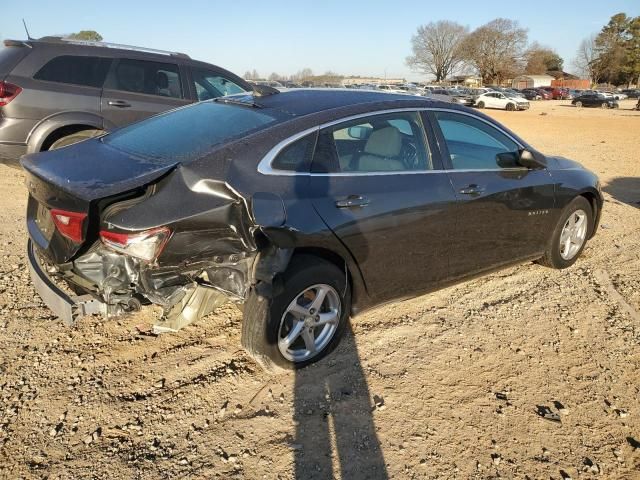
{"x":90,"y":43}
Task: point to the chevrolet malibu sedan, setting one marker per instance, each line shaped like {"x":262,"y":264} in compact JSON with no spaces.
{"x":502,"y":101}
{"x":303,"y":207}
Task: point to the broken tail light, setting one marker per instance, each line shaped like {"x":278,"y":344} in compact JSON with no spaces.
{"x":146,"y":245}
{"x":69,"y":224}
{"x":8,"y":91}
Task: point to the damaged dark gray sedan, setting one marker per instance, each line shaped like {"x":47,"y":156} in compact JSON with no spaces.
{"x":304,"y":207}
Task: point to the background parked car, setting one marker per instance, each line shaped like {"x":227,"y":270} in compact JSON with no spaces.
{"x":557,"y":93}
{"x":631,"y":92}
{"x":595,"y":100}
{"x":55,"y":92}
{"x":531,"y":94}
{"x":502,"y":101}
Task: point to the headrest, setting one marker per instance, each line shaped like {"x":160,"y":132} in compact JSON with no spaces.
{"x":386,"y":142}
{"x":162,"y":81}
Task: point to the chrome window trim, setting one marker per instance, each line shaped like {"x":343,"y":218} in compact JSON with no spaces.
{"x":265,"y":168}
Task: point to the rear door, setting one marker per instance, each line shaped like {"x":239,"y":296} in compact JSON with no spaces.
{"x":378,"y":184}
{"x":137,"y":89}
{"x":504,"y":210}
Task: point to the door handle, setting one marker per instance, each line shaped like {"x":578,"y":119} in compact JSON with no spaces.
{"x":118,"y":103}
{"x":353,"y":201}
{"x":472,"y":189}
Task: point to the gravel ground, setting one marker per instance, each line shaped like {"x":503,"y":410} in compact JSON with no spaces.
{"x":449,"y":385}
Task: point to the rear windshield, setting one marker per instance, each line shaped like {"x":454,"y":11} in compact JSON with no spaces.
{"x":188,"y":133}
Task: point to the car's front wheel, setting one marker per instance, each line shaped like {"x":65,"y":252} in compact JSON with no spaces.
{"x":510,"y":107}
{"x":578,"y":104}
{"x":604,"y":105}
{"x":305,"y":318}
{"x":480,"y":105}
{"x":570,"y":235}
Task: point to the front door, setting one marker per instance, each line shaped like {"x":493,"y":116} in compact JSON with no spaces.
{"x":377,"y":185}
{"x":504,"y":210}
{"x":137,"y":89}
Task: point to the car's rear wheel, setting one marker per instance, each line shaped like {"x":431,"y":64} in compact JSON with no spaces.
{"x":304,"y":321}
{"x":75,"y":138}
{"x":570,"y":235}
{"x":579,"y":104}
{"x":480,"y":104}
{"x":510,"y":107}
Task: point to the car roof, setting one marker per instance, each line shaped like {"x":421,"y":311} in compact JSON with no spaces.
{"x":307,"y":101}
{"x":114,"y":49}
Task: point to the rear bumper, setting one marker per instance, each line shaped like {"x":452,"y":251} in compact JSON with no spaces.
{"x":67,"y":308}
{"x":10,"y":154}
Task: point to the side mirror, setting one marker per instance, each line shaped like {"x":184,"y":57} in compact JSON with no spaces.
{"x":529,"y":160}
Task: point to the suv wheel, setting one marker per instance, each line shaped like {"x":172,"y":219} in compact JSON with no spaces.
{"x":305,"y":319}
{"x":75,"y":138}
{"x":570,"y":235}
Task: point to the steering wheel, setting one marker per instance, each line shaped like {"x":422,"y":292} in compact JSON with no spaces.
{"x":409,"y":156}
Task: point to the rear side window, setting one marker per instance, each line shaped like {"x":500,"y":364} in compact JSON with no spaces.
{"x":75,"y":70}
{"x":188,"y":133}
{"x":150,"y":78}
{"x":296,"y":157}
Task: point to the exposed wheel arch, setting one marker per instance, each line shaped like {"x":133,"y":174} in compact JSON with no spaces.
{"x":63,"y":132}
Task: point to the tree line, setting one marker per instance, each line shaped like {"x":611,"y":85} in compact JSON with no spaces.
{"x":613,"y":54}
{"x":500,"y":50}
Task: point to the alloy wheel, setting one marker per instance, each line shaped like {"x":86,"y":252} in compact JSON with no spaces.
{"x":309,"y":323}
{"x":573,"y":234}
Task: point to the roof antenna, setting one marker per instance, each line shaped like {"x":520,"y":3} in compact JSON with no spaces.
{"x":26,"y":30}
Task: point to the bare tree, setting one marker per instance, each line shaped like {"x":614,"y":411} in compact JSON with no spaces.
{"x":587,"y":60}
{"x":496,"y":50}
{"x":436,"y":48}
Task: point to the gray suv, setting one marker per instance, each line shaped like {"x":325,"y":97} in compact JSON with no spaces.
{"x":54,"y":92}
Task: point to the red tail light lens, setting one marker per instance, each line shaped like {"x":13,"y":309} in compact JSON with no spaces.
{"x":8,"y":91}
{"x":69,"y":224}
{"x":145,"y":245}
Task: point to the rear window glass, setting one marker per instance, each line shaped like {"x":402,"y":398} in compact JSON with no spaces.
{"x":188,"y":133}
{"x":76,"y":70}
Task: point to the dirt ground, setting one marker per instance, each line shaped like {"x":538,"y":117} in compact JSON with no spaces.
{"x":442,"y":386}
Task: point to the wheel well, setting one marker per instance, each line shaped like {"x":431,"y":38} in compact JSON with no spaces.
{"x":591,"y":198}
{"x":327,"y":255}
{"x":63,"y":132}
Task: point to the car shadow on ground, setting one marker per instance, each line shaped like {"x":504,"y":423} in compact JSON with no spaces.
{"x":335,"y":431}
{"x":625,"y":189}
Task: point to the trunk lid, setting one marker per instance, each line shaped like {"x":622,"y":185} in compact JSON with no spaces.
{"x":78,"y":179}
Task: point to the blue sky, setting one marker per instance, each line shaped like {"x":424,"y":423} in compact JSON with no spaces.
{"x":349,"y":36}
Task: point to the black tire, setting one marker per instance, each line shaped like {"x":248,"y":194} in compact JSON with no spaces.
{"x":552,"y":257}
{"x":75,"y":138}
{"x":604,"y":105}
{"x":262,"y":319}
{"x":578,"y":104}
{"x":510,"y":107}
{"x":480,"y":105}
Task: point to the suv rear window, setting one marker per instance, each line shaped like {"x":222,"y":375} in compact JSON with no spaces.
{"x":76,"y":70}
{"x":188,"y":133}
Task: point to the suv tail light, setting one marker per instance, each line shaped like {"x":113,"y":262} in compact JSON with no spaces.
{"x":8,"y":91}
{"x":69,"y":224}
{"x":145,"y":245}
